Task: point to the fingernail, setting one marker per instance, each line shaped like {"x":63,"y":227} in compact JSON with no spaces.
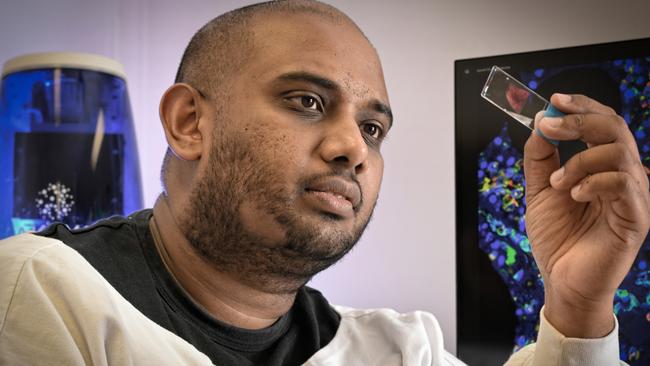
{"x":557,"y":175}
{"x":553,"y":122}
{"x":564,"y":98}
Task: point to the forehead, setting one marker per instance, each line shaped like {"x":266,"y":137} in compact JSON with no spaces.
{"x":334,"y":49}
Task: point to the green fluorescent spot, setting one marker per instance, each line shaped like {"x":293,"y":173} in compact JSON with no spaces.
{"x":510,"y":255}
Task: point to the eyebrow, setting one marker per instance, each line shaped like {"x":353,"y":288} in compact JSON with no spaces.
{"x":384,"y":109}
{"x":328,"y":84}
{"x":311,"y":78}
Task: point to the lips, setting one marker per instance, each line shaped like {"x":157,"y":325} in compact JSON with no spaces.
{"x":338,"y":187}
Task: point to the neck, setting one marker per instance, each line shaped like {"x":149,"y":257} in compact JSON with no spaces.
{"x":220,"y":294}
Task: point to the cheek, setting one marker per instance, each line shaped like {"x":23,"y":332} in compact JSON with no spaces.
{"x":376,"y":167}
{"x":268,"y":132}
{"x":283,"y":153}
{"x":371,"y":181}
{"x":280,"y":154}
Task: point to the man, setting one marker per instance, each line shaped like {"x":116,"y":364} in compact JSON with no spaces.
{"x":274,"y":165}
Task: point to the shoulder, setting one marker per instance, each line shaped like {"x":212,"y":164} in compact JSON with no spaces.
{"x":25,"y":245}
{"x":113,"y":246}
{"x":113,"y":229}
{"x":28,"y":250}
{"x":29,"y":258}
{"x":33,"y":267}
{"x":55,"y":306}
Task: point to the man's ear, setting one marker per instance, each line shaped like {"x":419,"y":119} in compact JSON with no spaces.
{"x":180,"y":114}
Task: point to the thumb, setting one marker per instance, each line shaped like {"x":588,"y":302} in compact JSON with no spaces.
{"x":541,"y":158}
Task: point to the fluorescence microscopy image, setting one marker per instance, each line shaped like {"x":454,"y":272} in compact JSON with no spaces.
{"x":502,"y":234}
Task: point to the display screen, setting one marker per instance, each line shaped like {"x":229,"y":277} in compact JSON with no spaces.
{"x":500,"y":291}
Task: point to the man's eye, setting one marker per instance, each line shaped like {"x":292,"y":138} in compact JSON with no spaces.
{"x":372,"y":130}
{"x":310,"y":102}
{"x":305,"y":102}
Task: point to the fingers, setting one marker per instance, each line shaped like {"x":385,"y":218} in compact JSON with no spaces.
{"x":595,"y":129}
{"x":579,"y":104}
{"x":587,"y":120}
{"x":540,"y":160}
{"x":602,"y":158}
{"x":629,"y":201}
{"x":612,"y":146}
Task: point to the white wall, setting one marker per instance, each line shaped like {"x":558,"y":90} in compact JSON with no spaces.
{"x":406,"y":259}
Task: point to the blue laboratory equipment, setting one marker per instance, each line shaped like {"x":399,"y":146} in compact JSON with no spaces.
{"x":67,"y":143}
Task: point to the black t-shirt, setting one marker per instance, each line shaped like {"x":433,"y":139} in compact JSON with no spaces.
{"x":123,"y":251}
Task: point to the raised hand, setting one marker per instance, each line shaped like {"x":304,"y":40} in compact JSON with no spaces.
{"x":586,"y":220}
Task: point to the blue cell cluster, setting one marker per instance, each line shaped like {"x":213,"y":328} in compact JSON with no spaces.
{"x":635,"y":91}
{"x":632,"y":301}
{"x":502,"y":230}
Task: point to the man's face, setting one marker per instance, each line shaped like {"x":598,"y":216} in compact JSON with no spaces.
{"x":292,"y":172}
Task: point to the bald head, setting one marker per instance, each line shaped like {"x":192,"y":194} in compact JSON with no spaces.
{"x":222,"y":46}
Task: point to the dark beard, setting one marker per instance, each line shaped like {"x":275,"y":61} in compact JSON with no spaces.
{"x":212,"y":223}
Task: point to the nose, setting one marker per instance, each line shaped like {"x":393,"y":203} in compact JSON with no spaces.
{"x":343,"y":145}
